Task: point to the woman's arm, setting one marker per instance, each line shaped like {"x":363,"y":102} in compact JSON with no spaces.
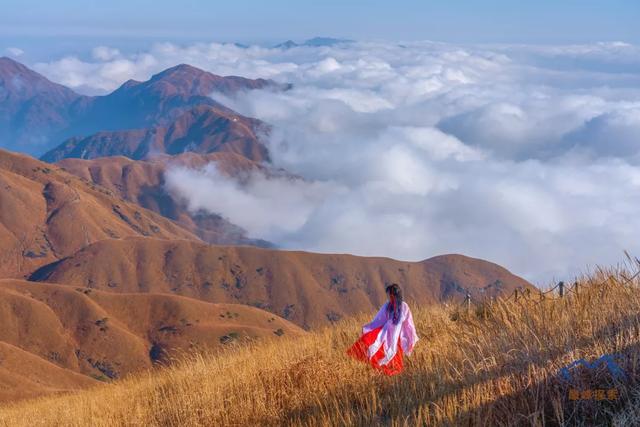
{"x":408,"y":335}
{"x":377,"y":321}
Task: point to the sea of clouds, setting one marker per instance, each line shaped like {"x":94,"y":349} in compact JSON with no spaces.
{"x":527,"y":156}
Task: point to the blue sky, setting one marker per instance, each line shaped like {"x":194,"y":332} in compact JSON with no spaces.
{"x":542,"y":21}
{"x":523,"y":155}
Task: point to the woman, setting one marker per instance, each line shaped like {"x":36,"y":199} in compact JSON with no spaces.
{"x":388,"y":336}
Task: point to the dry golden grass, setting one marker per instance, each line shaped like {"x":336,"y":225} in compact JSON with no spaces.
{"x":496,"y":365}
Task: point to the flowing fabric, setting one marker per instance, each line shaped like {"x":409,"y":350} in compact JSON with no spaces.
{"x":383,"y":343}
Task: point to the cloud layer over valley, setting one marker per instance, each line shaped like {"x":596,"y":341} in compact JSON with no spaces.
{"x":527,"y":156}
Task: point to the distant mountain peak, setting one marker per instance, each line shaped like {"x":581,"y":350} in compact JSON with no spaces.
{"x":6,"y":60}
{"x":35,"y":113}
{"x":314,"y":42}
{"x":286,"y":45}
{"x":31,"y":107}
{"x":130,"y":83}
{"x":33,"y":82}
{"x":10,"y":67}
{"x":187,"y":81}
{"x":326,"y":41}
{"x":183,"y":70}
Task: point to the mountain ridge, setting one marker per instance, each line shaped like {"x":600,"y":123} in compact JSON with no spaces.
{"x":201,"y":129}
{"x":309,"y":289}
{"x":59,"y":113}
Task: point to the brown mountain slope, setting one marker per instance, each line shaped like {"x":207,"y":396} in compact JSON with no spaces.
{"x":142,"y":182}
{"x":309,"y":289}
{"x":47,"y":214}
{"x":202,"y":129}
{"x":105,"y":335}
{"x":24,"y":375}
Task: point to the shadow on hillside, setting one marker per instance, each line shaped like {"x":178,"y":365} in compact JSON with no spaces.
{"x":520,"y":408}
{"x":44,"y":272}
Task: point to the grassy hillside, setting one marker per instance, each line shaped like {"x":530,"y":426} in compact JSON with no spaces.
{"x":309,"y":289}
{"x":47,"y":214}
{"x":53,"y":332}
{"x":494,"y":365}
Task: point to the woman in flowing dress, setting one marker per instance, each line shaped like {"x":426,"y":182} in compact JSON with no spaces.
{"x":389,"y":336}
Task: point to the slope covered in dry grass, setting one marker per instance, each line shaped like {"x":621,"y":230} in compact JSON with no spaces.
{"x":309,"y":289}
{"x":47,"y":214}
{"x":60,"y":338}
{"x":494,"y":365}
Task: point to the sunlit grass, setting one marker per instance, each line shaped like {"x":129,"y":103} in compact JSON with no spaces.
{"x":493,"y":365}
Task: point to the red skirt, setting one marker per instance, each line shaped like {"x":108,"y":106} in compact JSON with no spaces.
{"x":359,"y":352}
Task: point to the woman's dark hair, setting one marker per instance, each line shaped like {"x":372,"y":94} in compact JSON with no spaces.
{"x":395,"y":304}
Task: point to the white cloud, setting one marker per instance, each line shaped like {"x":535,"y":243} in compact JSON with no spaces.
{"x":105,"y":53}
{"x":523,"y":155}
{"x":258,"y":204}
{"x":98,"y":77}
{"x":15,"y":51}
